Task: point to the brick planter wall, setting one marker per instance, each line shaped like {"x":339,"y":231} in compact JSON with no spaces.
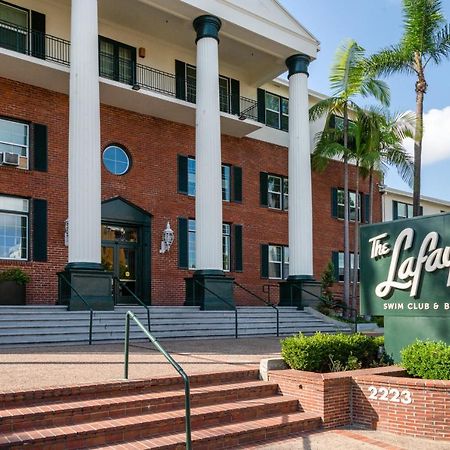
{"x":342,"y":398}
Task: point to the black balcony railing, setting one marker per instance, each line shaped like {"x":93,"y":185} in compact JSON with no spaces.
{"x":127,"y":71}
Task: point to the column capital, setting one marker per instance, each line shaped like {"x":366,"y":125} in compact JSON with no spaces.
{"x":207,"y":26}
{"x":298,"y":64}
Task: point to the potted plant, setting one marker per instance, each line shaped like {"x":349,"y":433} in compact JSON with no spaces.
{"x":12,"y":286}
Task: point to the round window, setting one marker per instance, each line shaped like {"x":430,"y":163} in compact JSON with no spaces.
{"x":116,"y":160}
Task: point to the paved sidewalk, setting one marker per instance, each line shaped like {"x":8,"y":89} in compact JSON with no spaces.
{"x":36,"y":367}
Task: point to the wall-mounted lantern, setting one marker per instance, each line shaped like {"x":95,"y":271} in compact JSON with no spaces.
{"x":168,"y":237}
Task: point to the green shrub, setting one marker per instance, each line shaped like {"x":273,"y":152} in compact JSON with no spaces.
{"x":379,"y":320}
{"x":17,"y":275}
{"x":427,"y":359}
{"x":326,"y":352}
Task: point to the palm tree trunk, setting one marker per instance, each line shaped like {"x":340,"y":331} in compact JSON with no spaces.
{"x":346,"y":216}
{"x":356,"y":243}
{"x":371,"y":195}
{"x":420,"y":92}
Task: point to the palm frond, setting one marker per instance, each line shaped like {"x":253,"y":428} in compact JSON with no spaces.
{"x":390,"y":60}
{"x":331,"y":105}
{"x":441,"y":46}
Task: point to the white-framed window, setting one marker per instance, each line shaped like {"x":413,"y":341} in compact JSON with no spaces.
{"x":277,"y":192}
{"x":226,"y":245}
{"x":340,"y":268}
{"x":277,"y":111}
{"x":14,"y":138}
{"x":226,"y":180}
{"x":278,"y":262}
{"x":14,"y":24}
{"x":402,"y":210}
{"x":352,"y":205}
{"x":14,"y":219}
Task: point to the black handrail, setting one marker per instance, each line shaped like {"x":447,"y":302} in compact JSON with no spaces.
{"x":123,"y":285}
{"x":233,"y":307}
{"x":264,"y":301}
{"x":175,"y":365}
{"x":91,"y":311}
{"x":342,"y":306}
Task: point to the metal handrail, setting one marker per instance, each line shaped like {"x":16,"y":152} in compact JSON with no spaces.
{"x":224,"y":301}
{"x":121,"y":283}
{"x":343,"y":306}
{"x":175,"y":365}
{"x":264,"y":301}
{"x":91,"y":311}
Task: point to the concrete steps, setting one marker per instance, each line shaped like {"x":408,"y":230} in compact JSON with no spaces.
{"x":228,"y":409}
{"x":55,"y":325}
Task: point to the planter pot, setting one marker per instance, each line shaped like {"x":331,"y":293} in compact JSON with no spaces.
{"x":12,"y":293}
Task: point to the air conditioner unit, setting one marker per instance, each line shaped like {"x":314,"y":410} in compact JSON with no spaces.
{"x":11,"y":158}
{"x":1,"y":158}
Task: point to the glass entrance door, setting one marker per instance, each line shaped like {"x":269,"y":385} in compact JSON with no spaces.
{"x":120,"y":255}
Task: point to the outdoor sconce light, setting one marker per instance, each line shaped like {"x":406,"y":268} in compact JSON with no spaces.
{"x":167,"y":239}
{"x":136,"y":87}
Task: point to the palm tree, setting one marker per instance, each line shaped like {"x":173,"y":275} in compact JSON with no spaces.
{"x":348,"y":79}
{"x":386,"y":147}
{"x":425,"y":40}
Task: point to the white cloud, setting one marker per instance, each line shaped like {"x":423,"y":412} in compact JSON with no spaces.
{"x":436,"y":137}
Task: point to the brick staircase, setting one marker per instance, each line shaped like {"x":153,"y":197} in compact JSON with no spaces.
{"x":229,"y":409}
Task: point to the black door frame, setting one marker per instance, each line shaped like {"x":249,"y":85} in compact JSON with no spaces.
{"x":119,"y":211}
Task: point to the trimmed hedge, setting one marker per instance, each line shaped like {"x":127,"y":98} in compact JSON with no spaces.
{"x":427,"y":359}
{"x":330,"y":352}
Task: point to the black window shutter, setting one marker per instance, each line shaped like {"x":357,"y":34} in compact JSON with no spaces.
{"x":332,"y":123}
{"x":238,"y":260}
{"x":235,"y":97}
{"x":134,"y":79}
{"x":263,"y":187}
{"x":335,"y":261}
{"x":182,"y":174}
{"x":180,"y":80}
{"x":38,"y":34}
{"x":264,"y":261}
{"x":40,"y":145}
{"x":39,"y":230}
{"x":421,"y":210}
{"x":237,"y":183}
{"x":366,"y":207}
{"x":261,"y":98}
{"x":394,"y":210}
{"x":183,"y":257}
{"x":334,"y":202}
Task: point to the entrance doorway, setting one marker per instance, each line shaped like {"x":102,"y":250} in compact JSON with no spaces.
{"x":126,"y":249}
{"x":121,"y":256}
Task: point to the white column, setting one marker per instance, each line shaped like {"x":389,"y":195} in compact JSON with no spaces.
{"x":84,"y":136}
{"x":208,"y":178}
{"x":300,"y":197}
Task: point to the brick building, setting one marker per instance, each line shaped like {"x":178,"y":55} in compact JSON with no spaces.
{"x":95,"y":167}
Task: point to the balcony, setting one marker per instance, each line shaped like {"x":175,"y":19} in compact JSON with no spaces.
{"x":43,"y":60}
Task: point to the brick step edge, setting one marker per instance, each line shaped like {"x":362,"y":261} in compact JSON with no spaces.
{"x":230,"y":436}
{"x":123,"y":387}
{"x":61,"y":414}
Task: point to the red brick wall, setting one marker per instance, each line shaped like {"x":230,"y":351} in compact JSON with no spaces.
{"x":342,"y":398}
{"x":151,"y":184}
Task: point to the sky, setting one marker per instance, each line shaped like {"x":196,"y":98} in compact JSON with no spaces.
{"x":375,"y":24}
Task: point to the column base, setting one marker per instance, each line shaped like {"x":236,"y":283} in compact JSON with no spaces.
{"x":292,"y":291}
{"x":200,"y":288}
{"x":92,"y":282}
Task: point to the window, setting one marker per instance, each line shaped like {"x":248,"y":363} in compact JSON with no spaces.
{"x":116,"y":160}
{"x":117,"y":61}
{"x":278,"y":262}
{"x":13,"y":28}
{"x":277,"y":192}
{"x":277,"y":111}
{"x":340,"y":266}
{"x":14,"y":138}
{"x":226,"y":180}
{"x":352,"y":205}
{"x":191,"y":88}
{"x":226,"y":245}
{"x":14,"y":228}
{"x":401,"y":210}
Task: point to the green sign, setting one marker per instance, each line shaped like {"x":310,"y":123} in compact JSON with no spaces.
{"x":405,"y":276}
